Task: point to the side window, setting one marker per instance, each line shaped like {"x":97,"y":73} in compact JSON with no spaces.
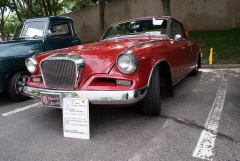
{"x":175,"y":29}
{"x":60,"y":29}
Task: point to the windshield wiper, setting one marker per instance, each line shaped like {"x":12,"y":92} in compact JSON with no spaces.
{"x":36,"y":36}
{"x":115,"y":36}
{"x":134,"y":33}
{"x":137,"y":33}
{"x":18,"y":38}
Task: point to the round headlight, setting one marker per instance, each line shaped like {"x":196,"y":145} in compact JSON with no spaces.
{"x":127,"y":62}
{"x":31,"y":64}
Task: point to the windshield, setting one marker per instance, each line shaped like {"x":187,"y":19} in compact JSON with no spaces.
{"x":30,"y":29}
{"x":154,"y":27}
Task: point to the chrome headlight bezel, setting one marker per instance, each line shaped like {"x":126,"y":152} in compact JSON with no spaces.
{"x":31,"y":65}
{"x":127,"y":62}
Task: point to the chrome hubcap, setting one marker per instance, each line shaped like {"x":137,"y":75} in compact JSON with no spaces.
{"x":21,"y":82}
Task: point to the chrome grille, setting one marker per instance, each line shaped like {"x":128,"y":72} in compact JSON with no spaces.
{"x":59,"y":74}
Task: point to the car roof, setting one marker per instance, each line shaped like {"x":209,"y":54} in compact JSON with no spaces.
{"x":50,"y":18}
{"x":143,"y":18}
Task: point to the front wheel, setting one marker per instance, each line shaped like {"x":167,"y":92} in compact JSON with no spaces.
{"x":151,"y":104}
{"x":16,"y":84}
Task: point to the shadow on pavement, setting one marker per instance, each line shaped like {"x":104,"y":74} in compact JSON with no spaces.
{"x":4,"y":99}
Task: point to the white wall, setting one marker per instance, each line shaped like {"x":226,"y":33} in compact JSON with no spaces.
{"x":194,"y":14}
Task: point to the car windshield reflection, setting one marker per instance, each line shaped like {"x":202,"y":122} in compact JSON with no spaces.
{"x":33,"y":29}
{"x":152,"y":27}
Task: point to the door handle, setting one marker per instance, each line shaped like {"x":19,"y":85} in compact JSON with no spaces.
{"x":75,"y":41}
{"x":183,"y":47}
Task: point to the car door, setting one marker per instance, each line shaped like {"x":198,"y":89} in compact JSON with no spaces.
{"x":61,"y":35}
{"x":183,"y":47}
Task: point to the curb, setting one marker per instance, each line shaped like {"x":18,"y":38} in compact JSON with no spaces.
{"x":220,"y":66}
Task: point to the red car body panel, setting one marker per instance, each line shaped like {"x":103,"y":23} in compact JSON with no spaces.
{"x":100,"y":65}
{"x":101,"y":72}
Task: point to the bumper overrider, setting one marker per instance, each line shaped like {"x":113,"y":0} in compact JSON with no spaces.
{"x":124,"y":97}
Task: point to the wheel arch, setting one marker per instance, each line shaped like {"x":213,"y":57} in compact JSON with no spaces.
{"x":6,"y":75}
{"x":165,"y":73}
{"x":9,"y":74}
{"x":163,"y":66}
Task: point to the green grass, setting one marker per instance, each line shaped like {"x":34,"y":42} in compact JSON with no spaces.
{"x":225,"y":43}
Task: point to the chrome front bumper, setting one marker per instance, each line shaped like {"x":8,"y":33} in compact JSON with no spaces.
{"x":124,"y":97}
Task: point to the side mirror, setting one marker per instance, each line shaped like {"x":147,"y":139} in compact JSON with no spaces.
{"x":178,"y":37}
{"x":49,"y":32}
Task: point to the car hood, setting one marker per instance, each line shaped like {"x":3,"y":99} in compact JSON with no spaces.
{"x":15,"y":48}
{"x":99,"y":57}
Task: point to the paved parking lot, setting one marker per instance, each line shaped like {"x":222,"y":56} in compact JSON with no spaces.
{"x":201,"y":121}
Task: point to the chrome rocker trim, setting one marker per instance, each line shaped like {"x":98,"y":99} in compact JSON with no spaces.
{"x":124,"y":97}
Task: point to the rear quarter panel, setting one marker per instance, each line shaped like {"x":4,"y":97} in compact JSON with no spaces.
{"x":195,"y":50}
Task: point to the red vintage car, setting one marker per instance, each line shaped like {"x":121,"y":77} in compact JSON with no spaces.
{"x":134,"y":62}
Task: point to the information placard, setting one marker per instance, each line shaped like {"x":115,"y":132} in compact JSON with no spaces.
{"x":76,"y":118}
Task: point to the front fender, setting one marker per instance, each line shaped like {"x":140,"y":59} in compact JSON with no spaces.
{"x":12,"y":57}
{"x":9,"y":66}
{"x":13,"y":48}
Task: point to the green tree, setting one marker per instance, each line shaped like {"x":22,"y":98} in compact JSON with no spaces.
{"x":4,"y":6}
{"x":25,"y":9}
{"x":11,"y":25}
{"x":75,"y":5}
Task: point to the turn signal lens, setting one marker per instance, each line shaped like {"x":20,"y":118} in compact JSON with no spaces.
{"x":123,"y":82}
{"x":37,"y":79}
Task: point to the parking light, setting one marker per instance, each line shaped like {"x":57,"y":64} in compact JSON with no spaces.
{"x":124,"y":82}
{"x":37,"y":79}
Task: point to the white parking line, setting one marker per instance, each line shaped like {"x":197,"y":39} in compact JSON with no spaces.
{"x":204,"y":148}
{"x":22,"y":109}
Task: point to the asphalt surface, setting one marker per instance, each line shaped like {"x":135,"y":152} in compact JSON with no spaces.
{"x":36,"y":133}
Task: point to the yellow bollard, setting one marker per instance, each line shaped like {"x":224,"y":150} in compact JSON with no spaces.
{"x":211,"y":56}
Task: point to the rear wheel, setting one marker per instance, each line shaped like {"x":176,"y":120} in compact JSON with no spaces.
{"x":16,"y":84}
{"x":151,"y":104}
{"x":194,"y":72}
